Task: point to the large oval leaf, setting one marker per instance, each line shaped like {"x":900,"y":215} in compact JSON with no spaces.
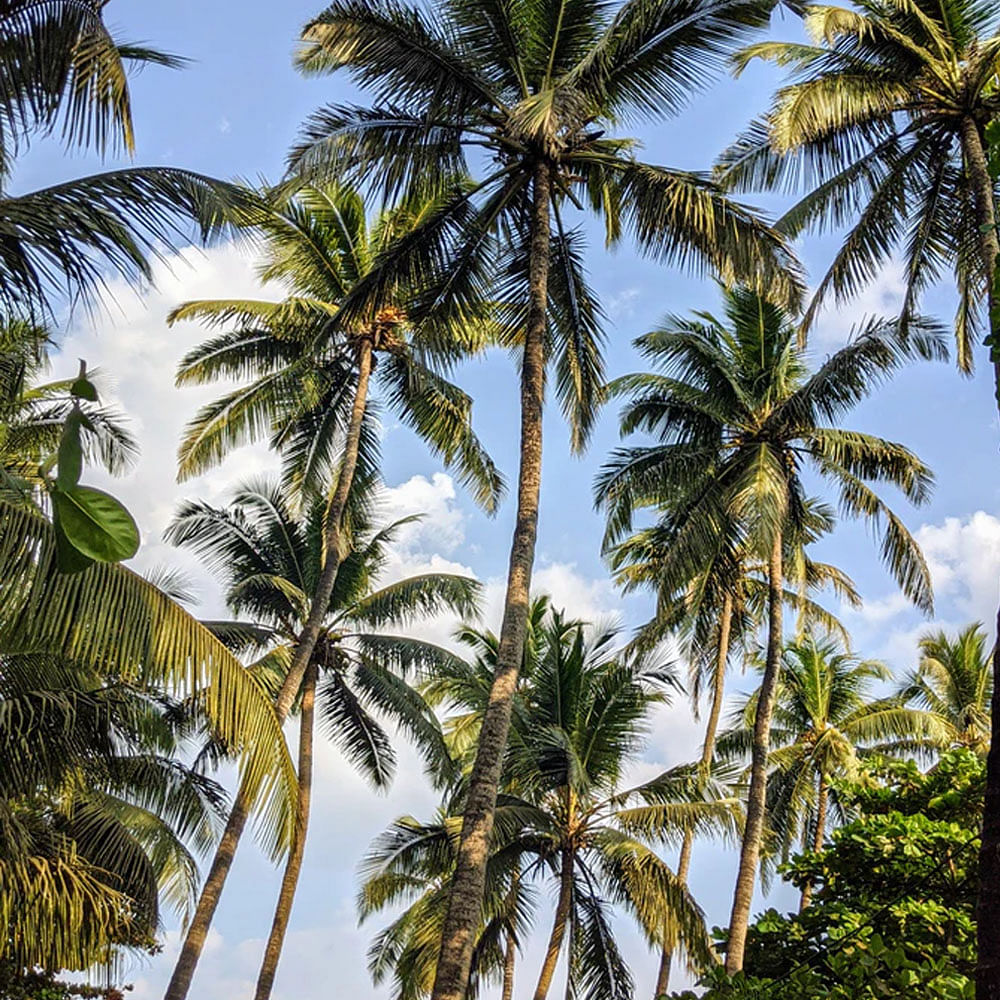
{"x":96,"y":524}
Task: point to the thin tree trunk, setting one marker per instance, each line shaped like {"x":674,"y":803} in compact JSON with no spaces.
{"x":753,"y":831}
{"x":466,"y":896}
{"x":509,"y":963}
{"x":510,"y":948}
{"x":293,"y":866}
{"x":988,"y":905}
{"x":822,"y":800}
{"x":707,"y":755}
{"x":558,"y":926}
{"x":208,"y":901}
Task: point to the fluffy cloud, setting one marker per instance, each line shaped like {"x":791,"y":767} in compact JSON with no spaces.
{"x":881,"y":297}
{"x":963,"y":556}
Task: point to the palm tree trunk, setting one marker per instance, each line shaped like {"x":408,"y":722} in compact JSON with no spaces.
{"x":822,"y":801}
{"x":208,"y":901}
{"x":509,"y":963}
{"x":988,"y":905}
{"x":293,"y":867}
{"x":707,"y":754}
{"x":466,"y":896}
{"x":558,"y":926}
{"x":753,"y":831}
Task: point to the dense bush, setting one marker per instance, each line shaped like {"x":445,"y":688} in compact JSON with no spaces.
{"x":893,"y":910}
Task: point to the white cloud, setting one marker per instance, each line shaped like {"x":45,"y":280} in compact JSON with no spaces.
{"x":882,"y":297}
{"x":963,"y":555}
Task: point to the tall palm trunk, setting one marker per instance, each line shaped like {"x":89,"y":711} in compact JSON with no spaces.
{"x":293,"y":867}
{"x":988,"y":906}
{"x":466,"y":897}
{"x":819,"y":835}
{"x":208,"y":901}
{"x":510,"y":946}
{"x":753,"y":831}
{"x":558,"y":926}
{"x":509,"y":963}
{"x":707,"y":755}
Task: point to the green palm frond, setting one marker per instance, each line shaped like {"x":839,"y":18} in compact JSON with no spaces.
{"x":108,"y":617}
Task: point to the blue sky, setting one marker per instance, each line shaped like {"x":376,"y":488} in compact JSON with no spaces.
{"x":233,"y":112}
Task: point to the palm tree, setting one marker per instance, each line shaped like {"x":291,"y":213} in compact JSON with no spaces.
{"x":581,"y":714}
{"x":534,"y":91}
{"x":825,"y":718}
{"x":954,"y":682}
{"x":739,"y":416}
{"x":269,"y":560}
{"x":96,"y":818}
{"x":885,"y":124}
{"x":307,"y":372}
{"x":719,"y":609}
{"x":63,"y":72}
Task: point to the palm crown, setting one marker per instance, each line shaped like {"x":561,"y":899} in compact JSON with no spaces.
{"x":825,"y":717}
{"x":883,"y":123}
{"x":740,"y":416}
{"x":954,"y":681}
{"x":297,"y":357}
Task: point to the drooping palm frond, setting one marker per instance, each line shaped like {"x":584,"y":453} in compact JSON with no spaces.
{"x":109,"y":618}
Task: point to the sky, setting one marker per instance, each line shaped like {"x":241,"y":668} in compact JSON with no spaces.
{"x":232,"y":113}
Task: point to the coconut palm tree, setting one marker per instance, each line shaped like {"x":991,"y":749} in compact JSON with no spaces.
{"x":269,"y":559}
{"x":306,"y":374}
{"x":717,"y":612}
{"x":954,"y":682}
{"x":96,"y":818}
{"x":739,"y":416}
{"x":581,"y":713}
{"x":885,"y":124}
{"x":532,"y":93}
{"x":826,"y":717}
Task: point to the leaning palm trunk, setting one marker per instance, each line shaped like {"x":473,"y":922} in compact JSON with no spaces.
{"x":293,"y":867}
{"x":819,"y":835}
{"x":558,"y":926}
{"x":753,"y":832}
{"x":208,"y":901}
{"x":988,"y":907}
{"x":707,"y":755}
{"x":466,"y":895}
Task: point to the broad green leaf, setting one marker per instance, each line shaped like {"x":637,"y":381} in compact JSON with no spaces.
{"x":95,"y":523}
{"x":68,"y":558}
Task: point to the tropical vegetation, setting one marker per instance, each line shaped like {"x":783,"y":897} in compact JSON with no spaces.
{"x":437,"y":219}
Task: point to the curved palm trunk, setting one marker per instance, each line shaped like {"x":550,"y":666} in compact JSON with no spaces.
{"x":558,"y":926}
{"x":988,"y":905}
{"x":208,"y":901}
{"x":753,"y":831}
{"x":707,"y":754}
{"x":822,"y":802}
{"x":293,"y":867}
{"x":466,"y":897}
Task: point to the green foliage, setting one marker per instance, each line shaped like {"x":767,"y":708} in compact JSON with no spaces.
{"x":893,"y":915}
